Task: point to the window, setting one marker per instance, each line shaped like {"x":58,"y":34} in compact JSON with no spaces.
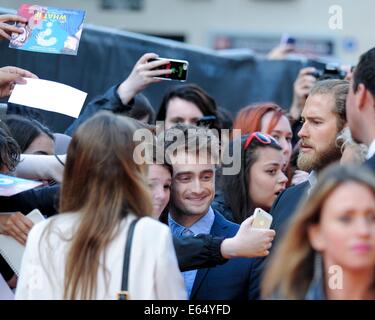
{"x":132,"y":5}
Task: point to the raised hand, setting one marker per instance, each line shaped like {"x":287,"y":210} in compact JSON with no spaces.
{"x":142,"y":75}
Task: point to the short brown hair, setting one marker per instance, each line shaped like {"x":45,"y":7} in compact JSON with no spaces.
{"x":192,"y":139}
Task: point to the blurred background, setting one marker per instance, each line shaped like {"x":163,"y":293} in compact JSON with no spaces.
{"x":227,"y":44}
{"x":252,"y":24}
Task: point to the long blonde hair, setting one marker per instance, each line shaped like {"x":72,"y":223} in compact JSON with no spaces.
{"x":291,"y":267}
{"x":103,"y":183}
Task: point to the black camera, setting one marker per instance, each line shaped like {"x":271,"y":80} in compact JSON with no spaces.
{"x":329,"y":72}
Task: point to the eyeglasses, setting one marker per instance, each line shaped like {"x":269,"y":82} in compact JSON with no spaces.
{"x":261,"y":137}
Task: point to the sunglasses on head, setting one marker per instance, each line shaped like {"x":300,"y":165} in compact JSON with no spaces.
{"x":261,"y":137}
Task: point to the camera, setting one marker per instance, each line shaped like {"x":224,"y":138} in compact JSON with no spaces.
{"x":326,"y":70}
{"x":329,"y":73}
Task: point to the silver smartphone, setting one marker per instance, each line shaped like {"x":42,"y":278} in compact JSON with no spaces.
{"x":262,"y":219}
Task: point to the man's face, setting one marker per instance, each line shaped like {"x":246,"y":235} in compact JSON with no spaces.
{"x":181,"y":111}
{"x":318,"y":133}
{"x":193,"y":188}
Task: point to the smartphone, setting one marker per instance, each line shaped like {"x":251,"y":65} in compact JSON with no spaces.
{"x":179,"y":69}
{"x":287,"y":39}
{"x":262,"y":219}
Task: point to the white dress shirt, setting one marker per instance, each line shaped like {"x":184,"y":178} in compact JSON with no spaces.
{"x":371,"y":150}
{"x":203,"y":225}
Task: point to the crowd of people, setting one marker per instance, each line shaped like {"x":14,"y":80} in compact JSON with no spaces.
{"x":310,"y":165}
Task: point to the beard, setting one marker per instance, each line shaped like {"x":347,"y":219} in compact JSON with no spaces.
{"x":319,"y":159}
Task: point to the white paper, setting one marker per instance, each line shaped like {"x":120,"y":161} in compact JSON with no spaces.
{"x":50,"y":96}
{"x":11,"y":250}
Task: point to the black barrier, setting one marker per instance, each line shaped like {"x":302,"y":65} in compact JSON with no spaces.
{"x":106,"y":56}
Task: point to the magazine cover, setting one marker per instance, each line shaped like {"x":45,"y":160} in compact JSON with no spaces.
{"x":10,"y":186}
{"x":49,"y":30}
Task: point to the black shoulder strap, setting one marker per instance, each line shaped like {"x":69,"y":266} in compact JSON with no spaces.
{"x":125,"y":268}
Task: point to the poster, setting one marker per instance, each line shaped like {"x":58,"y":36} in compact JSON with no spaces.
{"x":10,"y":185}
{"x":49,"y":30}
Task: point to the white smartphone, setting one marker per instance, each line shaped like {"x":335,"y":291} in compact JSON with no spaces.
{"x":262,"y":219}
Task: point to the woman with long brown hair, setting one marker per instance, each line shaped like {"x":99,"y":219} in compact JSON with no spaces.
{"x":328,"y":252}
{"x":79,"y":253}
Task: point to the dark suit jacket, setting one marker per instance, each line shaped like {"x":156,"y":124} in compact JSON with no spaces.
{"x":282,"y":210}
{"x":285,"y":206}
{"x":231,"y":281}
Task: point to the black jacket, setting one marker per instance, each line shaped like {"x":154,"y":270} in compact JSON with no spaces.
{"x":282,"y":210}
{"x":200,"y":251}
{"x":45,"y":199}
{"x":285,"y":206}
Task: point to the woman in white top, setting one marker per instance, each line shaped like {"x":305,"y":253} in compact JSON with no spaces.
{"x":79,"y":253}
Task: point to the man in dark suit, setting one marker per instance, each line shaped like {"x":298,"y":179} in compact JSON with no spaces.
{"x":193,"y":190}
{"x":323,"y":118}
{"x":231,"y":281}
{"x":360,"y":105}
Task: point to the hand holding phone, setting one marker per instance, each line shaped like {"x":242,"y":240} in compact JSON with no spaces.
{"x":262,"y":219}
{"x":142,"y":75}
